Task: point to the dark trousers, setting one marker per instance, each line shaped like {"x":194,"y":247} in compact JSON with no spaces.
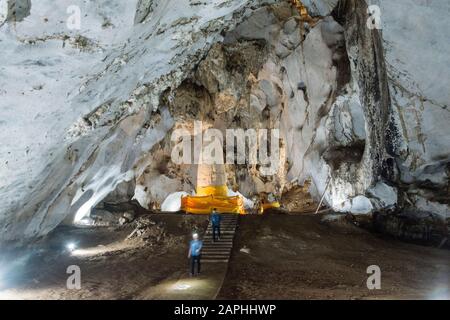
{"x":216,"y":231}
{"x":194,"y":260}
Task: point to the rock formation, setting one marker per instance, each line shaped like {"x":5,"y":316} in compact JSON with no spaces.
{"x":362,"y":112}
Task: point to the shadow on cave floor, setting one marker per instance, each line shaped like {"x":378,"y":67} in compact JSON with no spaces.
{"x":274,"y":256}
{"x":113,"y":265}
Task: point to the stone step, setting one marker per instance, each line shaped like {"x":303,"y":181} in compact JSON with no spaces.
{"x":216,"y":253}
{"x":207,"y":244}
{"x":213,"y":254}
{"x":212,"y":247}
{"x":215,"y":249}
{"x":219,"y":246}
{"x":224,"y":234}
{"x":228,"y":224}
{"x":209,"y":240}
{"x":224,"y":228}
{"x":211,"y":251}
{"x":225,"y":256}
{"x":223,"y":237}
{"x":216,"y":256}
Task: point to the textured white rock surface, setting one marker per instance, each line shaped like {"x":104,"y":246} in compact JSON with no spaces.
{"x":360,"y":205}
{"x":439,"y":209}
{"x":47,"y":139}
{"x":156,"y":190}
{"x":384,"y":196}
{"x":43,"y":75}
{"x":172,"y":203}
{"x":320,"y":7}
{"x":418,"y":56}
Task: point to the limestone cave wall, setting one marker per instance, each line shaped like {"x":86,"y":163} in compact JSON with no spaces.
{"x":362,"y":112}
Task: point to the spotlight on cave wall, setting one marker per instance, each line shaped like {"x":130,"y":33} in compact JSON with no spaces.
{"x":71,"y":246}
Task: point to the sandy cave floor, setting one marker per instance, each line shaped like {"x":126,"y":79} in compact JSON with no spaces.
{"x":288,"y":257}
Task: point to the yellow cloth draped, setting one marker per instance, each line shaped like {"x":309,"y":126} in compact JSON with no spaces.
{"x":221,"y":191}
{"x":270,"y":205}
{"x":205,"y":204}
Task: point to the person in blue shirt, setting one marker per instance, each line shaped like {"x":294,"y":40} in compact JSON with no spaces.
{"x":216,"y":218}
{"x":195,"y":253}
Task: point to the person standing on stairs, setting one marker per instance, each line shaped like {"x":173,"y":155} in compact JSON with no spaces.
{"x":195,"y":253}
{"x":216,"y":218}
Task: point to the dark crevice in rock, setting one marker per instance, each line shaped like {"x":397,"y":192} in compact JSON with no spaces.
{"x":371,"y":77}
{"x":336,"y":156}
{"x":18,"y":10}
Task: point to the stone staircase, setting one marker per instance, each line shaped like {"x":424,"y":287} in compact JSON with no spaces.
{"x":220,"y":250}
